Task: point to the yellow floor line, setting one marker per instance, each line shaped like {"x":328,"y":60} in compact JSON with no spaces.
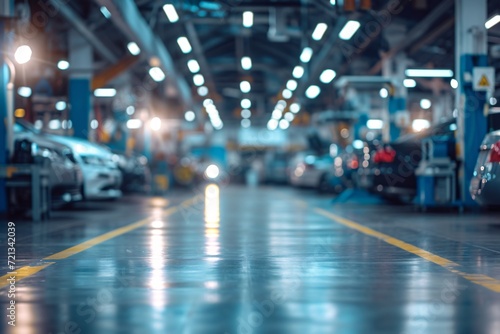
{"x":482,"y":280}
{"x":29,"y":271}
{"x":21,"y":273}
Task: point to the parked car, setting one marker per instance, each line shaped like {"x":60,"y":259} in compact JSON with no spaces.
{"x":485,"y":184}
{"x":135,"y":171}
{"x":309,"y":170}
{"x":394,"y":164}
{"x":66,"y":178}
{"x":101,"y":176}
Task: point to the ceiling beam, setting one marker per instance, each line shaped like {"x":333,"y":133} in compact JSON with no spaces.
{"x":82,"y":27}
{"x":415,"y":33}
{"x":126,"y":16}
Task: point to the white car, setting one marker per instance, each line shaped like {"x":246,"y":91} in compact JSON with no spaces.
{"x":101,"y":177}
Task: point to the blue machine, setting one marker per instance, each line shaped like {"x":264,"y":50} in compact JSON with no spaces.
{"x":436,"y":174}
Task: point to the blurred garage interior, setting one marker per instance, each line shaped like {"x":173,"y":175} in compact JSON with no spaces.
{"x":249,"y":166}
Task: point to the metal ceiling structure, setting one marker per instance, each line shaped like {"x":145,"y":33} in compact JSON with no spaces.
{"x":422,"y":29}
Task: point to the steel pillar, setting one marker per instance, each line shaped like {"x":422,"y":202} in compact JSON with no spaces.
{"x":80,"y":95}
{"x":395,"y":68}
{"x":471,"y":51}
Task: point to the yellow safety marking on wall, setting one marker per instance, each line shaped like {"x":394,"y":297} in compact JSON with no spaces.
{"x":489,"y":283}
{"x":22,"y":273}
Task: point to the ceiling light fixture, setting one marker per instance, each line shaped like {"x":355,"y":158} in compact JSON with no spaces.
{"x":198,"y":80}
{"x":193,"y":65}
{"x":349,"y":30}
{"x":171,"y":13}
{"x":429,"y":73}
{"x":319,"y":31}
{"x":312,"y":92}
{"x":184,"y":44}
{"x":246,"y":63}
{"x":327,"y":76}
{"x":492,"y":22}
{"x":157,"y":74}
{"x":133,"y":48}
{"x":298,"y":72}
{"x":245,"y":87}
{"x":247,"y":19}
{"x":306,"y":55}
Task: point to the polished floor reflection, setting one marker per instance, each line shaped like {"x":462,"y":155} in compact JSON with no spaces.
{"x":255,"y":260}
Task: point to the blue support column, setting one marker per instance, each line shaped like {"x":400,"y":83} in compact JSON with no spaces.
{"x":396,"y":105}
{"x":471,"y":51}
{"x":4,"y":79}
{"x":473,"y":123}
{"x":79,"y":97}
{"x":80,"y":94}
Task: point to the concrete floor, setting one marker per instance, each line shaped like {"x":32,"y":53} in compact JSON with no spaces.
{"x":255,"y":260}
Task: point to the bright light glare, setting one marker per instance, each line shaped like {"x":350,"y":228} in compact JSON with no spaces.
{"x":171,"y":13}
{"x":284,"y":124}
{"x":105,"y":92}
{"x":189,"y":116}
{"x":246,"y":104}
{"x":420,"y":124}
{"x":272,"y":125}
{"x":134,"y":124}
{"x":409,"y":83}
{"x":23,"y":54}
{"x":277,"y":114}
{"x":291,"y":85}
{"x":295,"y":108}
{"x":130,"y":110}
{"x":306,"y":55}
{"x":105,"y":12}
{"x":247,"y":19}
{"x":199,"y":80}
{"x":492,"y":22}
{"x":212,"y":172}
{"x":349,"y":30}
{"x":298,"y":72}
{"x":94,"y":124}
{"x":156,"y":74}
{"x":287,"y":94}
{"x":425,"y":104}
{"x":246,"y":63}
{"x":133,"y":48}
{"x":312,"y":92}
{"x":429,"y":73}
{"x":194,"y":66}
{"x":319,"y":31}
{"x":375,"y":124}
{"x":24,"y":91}
{"x":358,"y":144}
{"x":184,"y":44}
{"x":289,"y":116}
{"x":208,"y":102}
{"x":155,"y":124}
{"x":454,"y":83}
{"x":63,"y":65}
{"x":203,"y":91}
{"x":384,"y":93}
{"x":60,"y":105}
{"x":246,"y":123}
{"x":327,"y":76}
{"x":245,"y":113}
{"x":245,"y":87}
